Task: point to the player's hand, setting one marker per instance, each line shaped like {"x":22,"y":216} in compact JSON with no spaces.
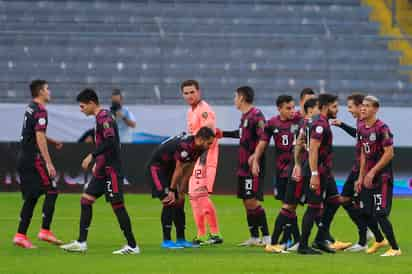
{"x":219,"y":133}
{"x":368,"y":181}
{"x":86,"y":162}
{"x":59,"y":145}
{"x":297,"y":173}
{"x":336,"y":122}
{"x":51,"y":170}
{"x":358,"y":185}
{"x":251,"y":160}
{"x":171,"y":197}
{"x":314,"y":183}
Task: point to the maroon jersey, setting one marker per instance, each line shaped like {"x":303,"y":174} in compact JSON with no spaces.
{"x":251,"y":129}
{"x":358,"y":147}
{"x":177,"y":148}
{"x":35,"y":119}
{"x":284,"y":133}
{"x":320,"y":130}
{"x":107,"y":144}
{"x":304,"y":128}
{"x":373,"y":140}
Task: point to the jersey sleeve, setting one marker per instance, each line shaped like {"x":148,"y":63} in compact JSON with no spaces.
{"x":40,"y":120}
{"x":182,"y":153}
{"x":387,"y":136}
{"x":260,"y":125}
{"x":267,"y":132}
{"x":317,"y":130}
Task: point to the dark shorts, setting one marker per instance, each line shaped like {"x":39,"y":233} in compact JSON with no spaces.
{"x":294,"y":192}
{"x":250,"y":188}
{"x":279,"y":188}
{"x":378,"y":201}
{"x":316,"y":198}
{"x":111,"y":186}
{"x":349,"y":186}
{"x":35,"y":180}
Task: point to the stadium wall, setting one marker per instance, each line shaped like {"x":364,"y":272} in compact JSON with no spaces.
{"x":134,"y":156}
{"x":66,"y":123}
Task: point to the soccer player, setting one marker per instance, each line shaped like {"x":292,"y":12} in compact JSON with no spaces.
{"x":349,"y":197}
{"x":319,"y":184}
{"x":375,"y":182}
{"x":201,"y":183}
{"x":283,"y":128}
{"x":250,"y":188}
{"x":169,"y":170}
{"x":36,"y":168}
{"x":107,"y":176}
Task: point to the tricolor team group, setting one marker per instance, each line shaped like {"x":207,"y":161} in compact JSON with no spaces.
{"x":185,"y":165}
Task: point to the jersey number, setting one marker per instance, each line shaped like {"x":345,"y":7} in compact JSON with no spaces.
{"x":285,"y":140}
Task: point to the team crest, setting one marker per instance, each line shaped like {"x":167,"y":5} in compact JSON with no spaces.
{"x":319,"y":129}
{"x":294,"y":128}
{"x":372,"y":137}
{"x":184,"y":154}
{"x":106,"y":125}
{"x":42,"y":121}
{"x":205,"y":115}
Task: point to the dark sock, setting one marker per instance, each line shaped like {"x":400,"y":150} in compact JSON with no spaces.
{"x":295,"y":229}
{"x":261,"y":220}
{"x":179,"y":219}
{"x":26,"y":214}
{"x":311,"y":214}
{"x":280,"y":223}
{"x":48,"y":209}
{"x":387,"y":229}
{"x":287,"y":233}
{"x":327,"y":217}
{"x":372,"y":223}
{"x":166,"y":219}
{"x":355,"y":216}
{"x":125,"y":224}
{"x":85,"y":218}
{"x":252,"y":223}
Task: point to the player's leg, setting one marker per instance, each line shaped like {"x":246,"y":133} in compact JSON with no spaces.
{"x":30,"y":187}
{"x":383,"y":205}
{"x":93,"y":190}
{"x":49,"y":204}
{"x":312,"y":214}
{"x":114,"y":195}
{"x":210,"y":209}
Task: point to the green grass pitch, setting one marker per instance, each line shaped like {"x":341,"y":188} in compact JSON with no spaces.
{"x":105,"y":236}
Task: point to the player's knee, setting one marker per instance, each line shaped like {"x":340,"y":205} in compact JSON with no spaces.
{"x":334,"y":200}
{"x":251,"y":204}
{"x":289,"y":207}
{"x":87,"y":199}
{"x":117,"y":205}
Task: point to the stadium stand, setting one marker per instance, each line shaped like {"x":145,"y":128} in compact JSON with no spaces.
{"x":147,"y":47}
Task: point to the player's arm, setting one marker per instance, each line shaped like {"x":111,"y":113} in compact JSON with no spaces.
{"x":107,"y":143}
{"x":388,"y":154}
{"x":361,"y":176}
{"x":235,"y":134}
{"x":259,"y":151}
{"x":129,"y":119}
{"x":297,"y":151}
{"x":180,"y":175}
{"x":41,"y":141}
{"x":313,"y":163}
{"x":347,"y":128}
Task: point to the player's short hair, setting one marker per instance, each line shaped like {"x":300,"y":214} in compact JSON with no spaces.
{"x":87,"y":95}
{"x":205,"y":133}
{"x":189,"y":83}
{"x":36,"y":86}
{"x":117,"y":92}
{"x":310,"y":103}
{"x":326,"y":99}
{"x":306,"y":91}
{"x":373,"y":99}
{"x":283,"y":99}
{"x":357,"y":98}
{"x":247,"y":93}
